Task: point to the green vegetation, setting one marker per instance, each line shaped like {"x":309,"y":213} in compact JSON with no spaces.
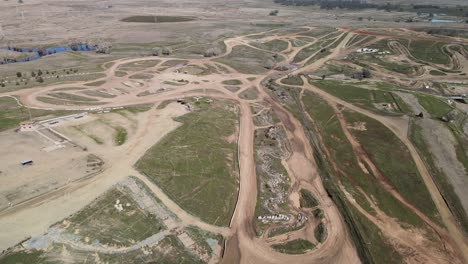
{"x":51,"y":100}
{"x":138,"y":65}
{"x":371,"y":245}
{"x":12,"y":114}
{"x":135,"y":109}
{"x":232,"y":82}
{"x":120,"y":135}
{"x":24,"y":257}
{"x":195,"y":165}
{"x":120,"y":74}
{"x":433,"y":105}
{"x":307,"y":51}
{"x":158,"y":19}
{"x":320,"y":232}
{"x":172,"y":63}
{"x":273,"y":45}
{"x":102,"y":221}
{"x":141,"y":76}
{"x":394,"y":161}
{"x":437,"y":73}
{"x":362,"y":97}
{"x":167,"y":251}
{"x":72,"y":97}
{"x":96,"y":93}
{"x":201,"y":236}
{"x":429,"y":51}
{"x":298,"y":246}
{"x":307,"y":200}
{"x":248,"y":60}
{"x":320,"y":32}
{"x":358,"y":38}
{"x":249,"y":94}
{"x":343,"y":155}
{"x":293,"y":80}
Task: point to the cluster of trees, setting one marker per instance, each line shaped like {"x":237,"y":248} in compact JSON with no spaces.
{"x":362,"y":74}
{"x":331,"y":4}
{"x":162,"y":51}
{"x":362,"y":4}
{"x":212,"y":52}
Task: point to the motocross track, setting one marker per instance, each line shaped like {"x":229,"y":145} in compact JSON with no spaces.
{"x":243,"y":245}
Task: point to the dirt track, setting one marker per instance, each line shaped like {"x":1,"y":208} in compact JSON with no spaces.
{"x":243,"y":245}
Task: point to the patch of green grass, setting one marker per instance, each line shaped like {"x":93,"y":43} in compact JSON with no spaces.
{"x":298,"y":246}
{"x":71,"y":97}
{"x":307,"y":51}
{"x":163,"y":104}
{"x":298,"y":43}
{"x":135,"y":109}
{"x":320,"y":232}
{"x":429,"y":51}
{"x":248,"y":60}
{"x":320,"y":32}
{"x":361,"y":97}
{"x":232,"y":82}
{"x":172,"y":63}
{"x":273,"y":45}
{"x":201,"y":236}
{"x":195,"y":165}
{"x":293,"y":80}
{"x":12,"y":114}
{"x":120,"y":135}
{"x":433,"y":105}
{"x":394,"y":161}
{"x":56,"y":101}
{"x":24,"y":257}
{"x":97,"y":83}
{"x":355,"y":39}
{"x":343,"y":155}
{"x":437,"y":73}
{"x":138,"y":65}
{"x":307,"y":200}
{"x":249,"y":94}
{"x":103,"y":222}
{"x":371,"y":245}
{"x":141,"y":76}
{"x":97,"y":93}
{"x":393,"y":66}
{"x":120,"y":73}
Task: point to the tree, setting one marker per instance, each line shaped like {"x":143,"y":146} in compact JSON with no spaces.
{"x":166,"y":51}
{"x":270,"y":64}
{"x":156,"y":52}
{"x":39,"y":72}
{"x":366,"y":73}
{"x":19,"y":74}
{"x":274,"y":13}
{"x":212,"y":52}
{"x":33,"y":74}
{"x":40,"y":79}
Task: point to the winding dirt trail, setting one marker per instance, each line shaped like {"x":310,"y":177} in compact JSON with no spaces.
{"x":243,"y":244}
{"x":399,"y":127}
